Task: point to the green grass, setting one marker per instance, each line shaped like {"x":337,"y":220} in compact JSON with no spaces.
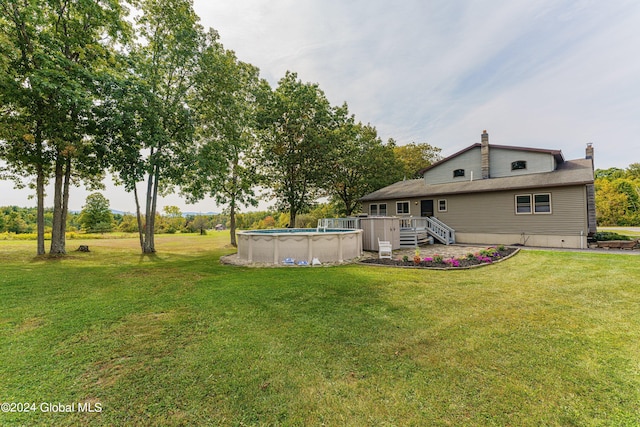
{"x":546,"y":338}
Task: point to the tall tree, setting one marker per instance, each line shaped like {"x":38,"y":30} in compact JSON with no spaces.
{"x":294,"y":121}
{"x":225,"y":99}
{"x":415,"y":157}
{"x":152,"y":125}
{"x":54,"y":53}
{"x":359,"y":162}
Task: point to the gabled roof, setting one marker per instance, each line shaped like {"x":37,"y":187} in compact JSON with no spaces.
{"x":571,"y":172}
{"x":557,"y":154}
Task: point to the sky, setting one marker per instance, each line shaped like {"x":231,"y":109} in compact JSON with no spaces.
{"x":550,"y":74}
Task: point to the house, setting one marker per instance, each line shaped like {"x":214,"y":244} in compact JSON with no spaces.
{"x":497,"y":194}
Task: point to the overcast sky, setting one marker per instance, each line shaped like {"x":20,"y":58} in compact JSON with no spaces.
{"x":548,"y":74}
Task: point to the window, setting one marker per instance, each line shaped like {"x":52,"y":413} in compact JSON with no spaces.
{"x":523,"y":204}
{"x":402,"y":208}
{"x":442,"y":205}
{"x":533,"y":203}
{"x":518,"y":164}
{"x":542,"y":203}
{"x":378,"y":209}
{"x":458,"y":173}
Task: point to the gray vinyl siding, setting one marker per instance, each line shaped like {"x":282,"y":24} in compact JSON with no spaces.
{"x":414,"y":207}
{"x":500,"y":162}
{"x":469,"y":161}
{"x":495,"y":212}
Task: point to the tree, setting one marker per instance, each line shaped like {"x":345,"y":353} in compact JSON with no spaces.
{"x":359,"y":162}
{"x":200,"y":223}
{"x":53,"y":53}
{"x":225,"y":99}
{"x":96,"y":215}
{"x":294,"y":120}
{"x":416,"y":157}
{"x":175,"y":220}
{"x":146,"y":117}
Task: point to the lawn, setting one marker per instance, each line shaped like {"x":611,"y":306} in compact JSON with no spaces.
{"x":545,"y":338}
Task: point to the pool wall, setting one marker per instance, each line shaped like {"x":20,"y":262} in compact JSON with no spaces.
{"x":274,"y":246}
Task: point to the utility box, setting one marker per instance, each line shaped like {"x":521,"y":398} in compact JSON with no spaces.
{"x":380,"y":227}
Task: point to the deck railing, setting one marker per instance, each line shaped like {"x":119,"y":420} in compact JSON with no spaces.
{"x":433,"y":226}
{"x":342,"y":223}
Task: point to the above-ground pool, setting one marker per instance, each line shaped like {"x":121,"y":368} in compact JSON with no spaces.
{"x":299,"y":245}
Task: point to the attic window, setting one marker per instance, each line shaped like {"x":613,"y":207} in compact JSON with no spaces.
{"x":518,"y":164}
{"x":458,"y":173}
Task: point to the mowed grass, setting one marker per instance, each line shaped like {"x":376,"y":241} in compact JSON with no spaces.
{"x":545,"y":338}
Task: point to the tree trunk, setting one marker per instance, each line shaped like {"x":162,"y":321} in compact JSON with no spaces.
{"x":232,"y":223}
{"x":65,"y":206}
{"x":55,"y":248}
{"x":40,"y":209}
{"x":154,"y":205}
{"x":39,"y":192}
{"x":138,"y":216}
{"x":150,"y":217}
{"x":292,"y":218}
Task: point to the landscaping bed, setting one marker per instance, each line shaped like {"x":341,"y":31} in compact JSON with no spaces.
{"x":471,"y":259}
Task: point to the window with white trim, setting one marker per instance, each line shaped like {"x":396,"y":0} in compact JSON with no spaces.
{"x":523,"y":204}
{"x":539,"y":203}
{"x":542,"y":203}
{"x":378,"y":209}
{"x":442,"y":205}
{"x":402,"y":208}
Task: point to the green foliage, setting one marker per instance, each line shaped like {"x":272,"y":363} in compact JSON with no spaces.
{"x":225,"y":97}
{"x":358,"y":162}
{"x":609,"y":235}
{"x":618,"y":196}
{"x":294,"y":120}
{"x":52,"y":57}
{"x":96,"y":216}
{"x":415,"y":157}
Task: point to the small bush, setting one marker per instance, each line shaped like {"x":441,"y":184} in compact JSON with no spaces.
{"x":603,"y":236}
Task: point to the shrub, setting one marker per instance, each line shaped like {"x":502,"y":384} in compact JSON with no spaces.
{"x":609,"y":235}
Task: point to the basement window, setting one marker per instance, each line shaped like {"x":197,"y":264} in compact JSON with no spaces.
{"x":458,"y":173}
{"x":518,"y":165}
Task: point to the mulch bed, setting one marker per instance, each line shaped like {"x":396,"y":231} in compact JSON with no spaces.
{"x":459,"y":263}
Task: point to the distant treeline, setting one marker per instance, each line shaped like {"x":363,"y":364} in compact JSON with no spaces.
{"x":17,"y":220}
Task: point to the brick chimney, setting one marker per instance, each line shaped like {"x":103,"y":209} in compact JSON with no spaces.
{"x":590,"y":152}
{"x":484,"y":151}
